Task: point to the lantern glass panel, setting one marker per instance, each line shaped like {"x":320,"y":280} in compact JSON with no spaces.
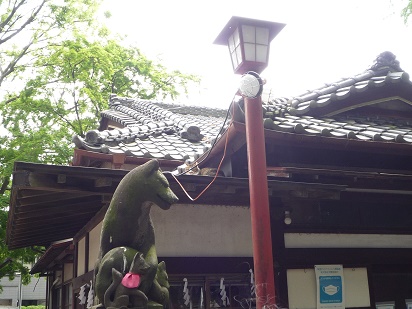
{"x":250,"y":52}
{"x":231,"y":44}
{"x":235,"y":62}
{"x":262,"y":36}
{"x":239,"y":54}
{"x":262,"y":53}
{"x":248,"y":33}
{"x":234,"y":49}
{"x":234,"y":40}
{"x":236,"y":37}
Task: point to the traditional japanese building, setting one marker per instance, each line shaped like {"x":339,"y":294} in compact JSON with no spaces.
{"x":340,"y":180}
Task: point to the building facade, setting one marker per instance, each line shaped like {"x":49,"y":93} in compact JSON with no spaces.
{"x":32,"y":294}
{"x":339,"y":175}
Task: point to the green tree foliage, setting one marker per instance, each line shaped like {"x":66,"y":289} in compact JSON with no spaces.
{"x":56,"y":84}
{"x":27,"y":26}
{"x":407,"y":11}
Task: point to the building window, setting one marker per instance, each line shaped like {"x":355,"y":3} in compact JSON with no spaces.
{"x":5,"y":302}
{"x":57,"y":298}
{"x":67,"y":294}
{"x":29,"y":302}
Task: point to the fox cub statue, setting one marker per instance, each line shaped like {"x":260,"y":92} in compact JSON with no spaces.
{"x":127,"y":273}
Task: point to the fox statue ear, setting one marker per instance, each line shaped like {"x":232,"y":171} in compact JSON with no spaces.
{"x":161,"y":265}
{"x":150,"y":167}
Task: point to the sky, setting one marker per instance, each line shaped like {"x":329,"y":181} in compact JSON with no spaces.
{"x":322,"y":42}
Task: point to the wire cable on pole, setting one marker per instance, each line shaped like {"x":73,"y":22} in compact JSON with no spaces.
{"x":210,"y":150}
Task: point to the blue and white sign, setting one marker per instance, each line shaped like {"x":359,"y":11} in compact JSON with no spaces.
{"x":330,"y":287}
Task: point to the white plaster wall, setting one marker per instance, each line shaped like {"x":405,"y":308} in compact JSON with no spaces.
{"x":192,"y":231}
{"x":81,"y":257}
{"x":202,"y":231}
{"x":94,"y":243}
{"x":68,"y":271}
{"x":35,"y":290}
{"x":302,"y":288}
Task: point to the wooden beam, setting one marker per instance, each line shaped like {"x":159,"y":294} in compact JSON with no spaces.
{"x":103,"y":182}
{"x":46,"y":230}
{"x":61,"y":178}
{"x":80,"y":191}
{"x":38,"y":197}
{"x":54,"y":219}
{"x":50,"y":211}
{"x":57,"y":202}
{"x":304,"y":258}
{"x":44,"y":241}
{"x":98,"y":217}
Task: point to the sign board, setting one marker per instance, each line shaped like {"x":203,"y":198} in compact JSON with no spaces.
{"x":330,"y":287}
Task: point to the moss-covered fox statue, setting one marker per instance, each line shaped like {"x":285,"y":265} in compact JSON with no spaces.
{"x":128,"y":232}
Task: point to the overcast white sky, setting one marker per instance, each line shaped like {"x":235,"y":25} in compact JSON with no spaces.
{"x":323,"y":40}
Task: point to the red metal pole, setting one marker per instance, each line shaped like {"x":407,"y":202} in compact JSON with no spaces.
{"x":259,"y":205}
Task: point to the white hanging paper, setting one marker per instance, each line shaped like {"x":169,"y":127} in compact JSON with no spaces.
{"x":223,"y":295}
{"x":252,"y":283}
{"x":201,"y":298}
{"x":82,"y":294}
{"x":186,"y":295}
{"x":90,"y":296}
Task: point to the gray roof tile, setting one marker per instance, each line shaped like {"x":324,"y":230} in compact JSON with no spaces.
{"x":382,"y":73}
{"x":153,"y":130}
{"x":179,"y":132}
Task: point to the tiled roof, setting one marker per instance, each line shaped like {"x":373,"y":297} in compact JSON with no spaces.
{"x":342,"y":89}
{"x":155,"y":130}
{"x":178,"y":132}
{"x":351,"y":127}
{"x":322,"y":111}
{"x":385,"y":71}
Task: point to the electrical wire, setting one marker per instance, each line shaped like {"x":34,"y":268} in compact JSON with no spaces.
{"x":34,"y":288}
{"x":214,"y":142}
{"x":210,"y":150}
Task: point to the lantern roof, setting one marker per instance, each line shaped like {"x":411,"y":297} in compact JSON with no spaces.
{"x":235,"y":21}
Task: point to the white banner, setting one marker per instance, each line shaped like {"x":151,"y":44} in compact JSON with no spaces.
{"x":330,"y":287}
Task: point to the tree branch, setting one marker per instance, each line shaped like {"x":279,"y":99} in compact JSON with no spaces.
{"x":11,"y":66}
{"x":25,"y":24}
{"x":4,"y":185}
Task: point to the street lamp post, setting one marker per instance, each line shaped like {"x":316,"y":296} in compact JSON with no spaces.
{"x":248,"y":41}
{"x":20,"y":294}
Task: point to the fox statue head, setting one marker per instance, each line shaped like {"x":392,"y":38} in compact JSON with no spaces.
{"x":144,"y":185}
{"x":156,"y":186}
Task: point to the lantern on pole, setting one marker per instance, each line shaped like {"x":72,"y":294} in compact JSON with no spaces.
{"x":248,"y":42}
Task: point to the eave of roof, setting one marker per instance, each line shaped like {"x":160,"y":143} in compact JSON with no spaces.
{"x":57,"y":252}
{"x":50,"y":203}
{"x":308,"y":132}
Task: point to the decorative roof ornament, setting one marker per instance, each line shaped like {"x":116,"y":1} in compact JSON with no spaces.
{"x":387,"y":62}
